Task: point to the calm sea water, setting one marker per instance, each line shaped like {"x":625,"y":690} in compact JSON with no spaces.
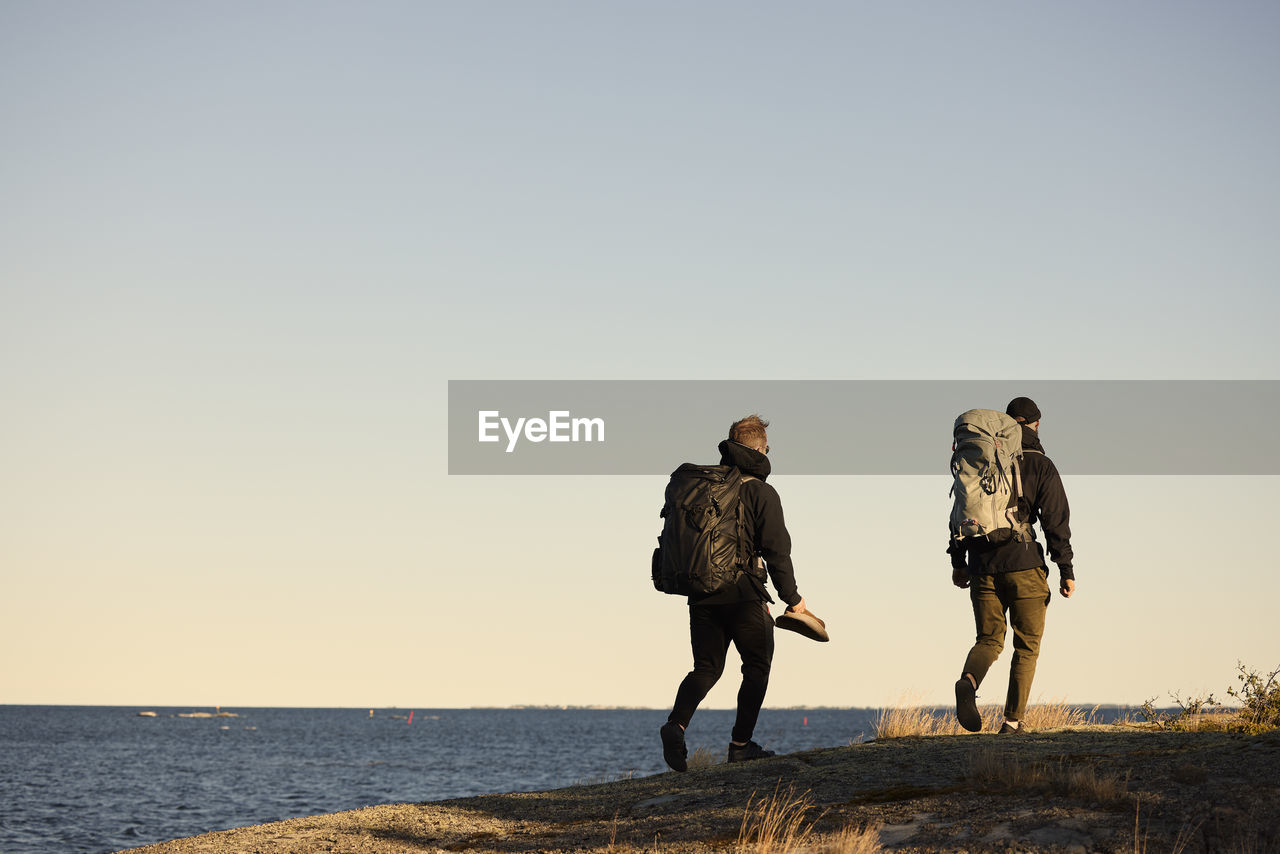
{"x":98,"y":779}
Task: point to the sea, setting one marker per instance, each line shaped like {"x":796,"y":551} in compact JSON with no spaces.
{"x":101,"y":779}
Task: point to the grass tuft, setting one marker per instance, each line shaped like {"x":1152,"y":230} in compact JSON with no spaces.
{"x":1002,"y":771}
{"x":1057,"y":714}
{"x":912,"y":720}
{"x":909,"y":719}
{"x":704,"y":757}
{"x":775,"y":825}
{"x":1185,"y":837}
{"x":852,"y":839}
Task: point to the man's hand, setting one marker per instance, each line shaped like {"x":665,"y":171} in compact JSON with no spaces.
{"x":798,"y":608}
{"x":960,"y":577}
{"x":1067,"y":587}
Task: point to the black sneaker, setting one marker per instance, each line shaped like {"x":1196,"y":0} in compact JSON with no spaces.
{"x":967,"y":705}
{"x":1006,"y":728}
{"x":748,"y":751}
{"x":673,"y":749}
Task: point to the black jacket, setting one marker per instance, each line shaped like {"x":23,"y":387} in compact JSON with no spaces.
{"x":1046,"y":501}
{"x":763,"y":515}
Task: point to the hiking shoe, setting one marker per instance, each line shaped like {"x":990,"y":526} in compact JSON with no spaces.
{"x":967,"y":705}
{"x":1006,"y":728}
{"x":673,"y":749}
{"x":748,"y":751}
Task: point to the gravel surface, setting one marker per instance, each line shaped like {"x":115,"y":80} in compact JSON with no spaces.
{"x":1076,"y":790}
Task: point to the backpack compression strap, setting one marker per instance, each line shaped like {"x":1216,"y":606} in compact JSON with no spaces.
{"x":756,"y":559}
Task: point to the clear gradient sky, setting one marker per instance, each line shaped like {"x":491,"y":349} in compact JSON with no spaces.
{"x":244,"y":246}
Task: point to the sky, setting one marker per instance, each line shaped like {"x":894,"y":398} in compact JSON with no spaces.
{"x":244,"y":248}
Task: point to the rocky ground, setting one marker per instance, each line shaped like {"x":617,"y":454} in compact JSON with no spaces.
{"x":1078,"y":790}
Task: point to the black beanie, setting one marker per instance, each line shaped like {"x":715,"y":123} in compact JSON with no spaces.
{"x":1023,"y":410}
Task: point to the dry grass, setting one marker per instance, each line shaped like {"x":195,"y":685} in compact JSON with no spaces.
{"x":1259,"y":695}
{"x":1130,"y":718}
{"x":1141,"y":836}
{"x":1003,"y":771}
{"x":775,"y":825}
{"x":1186,"y":836}
{"x":997,"y":769}
{"x":1218,"y":720}
{"x":852,"y":839}
{"x":1056,"y":714}
{"x":704,"y":757}
{"x":909,"y":720}
{"x":1213,"y":720}
{"x":1084,"y":783}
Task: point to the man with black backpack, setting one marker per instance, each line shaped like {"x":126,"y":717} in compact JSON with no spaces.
{"x":1006,"y":569}
{"x":722,"y":520}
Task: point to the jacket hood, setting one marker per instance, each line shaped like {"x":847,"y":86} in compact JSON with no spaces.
{"x":746,"y":460}
{"x":1031,"y":439}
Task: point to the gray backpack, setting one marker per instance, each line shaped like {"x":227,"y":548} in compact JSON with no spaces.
{"x":985,"y":464}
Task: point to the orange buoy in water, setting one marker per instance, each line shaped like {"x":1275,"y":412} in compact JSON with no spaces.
{"x":410,"y":717}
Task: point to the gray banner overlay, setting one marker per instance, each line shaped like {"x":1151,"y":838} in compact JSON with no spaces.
{"x":871,"y":427}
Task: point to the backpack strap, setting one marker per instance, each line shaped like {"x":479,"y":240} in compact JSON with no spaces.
{"x":752,"y":559}
{"x":1021,"y":529}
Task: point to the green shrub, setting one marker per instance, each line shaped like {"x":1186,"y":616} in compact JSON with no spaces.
{"x":1189,"y":717}
{"x":1259,"y":698}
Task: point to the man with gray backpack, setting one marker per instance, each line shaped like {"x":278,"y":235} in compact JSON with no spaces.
{"x":723,"y":531}
{"x":1003,"y":483}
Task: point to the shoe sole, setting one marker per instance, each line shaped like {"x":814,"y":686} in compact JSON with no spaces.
{"x":815,"y":630}
{"x":967,"y":706}
{"x":673,"y":750}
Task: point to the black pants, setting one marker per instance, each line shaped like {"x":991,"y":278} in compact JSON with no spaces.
{"x":711,"y":628}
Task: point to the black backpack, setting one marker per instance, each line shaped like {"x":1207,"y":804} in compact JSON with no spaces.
{"x":704,"y":543}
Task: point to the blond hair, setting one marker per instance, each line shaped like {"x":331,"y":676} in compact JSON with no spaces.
{"x":750,"y":431}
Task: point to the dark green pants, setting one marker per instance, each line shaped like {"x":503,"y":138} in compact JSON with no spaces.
{"x":1025,"y":596}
